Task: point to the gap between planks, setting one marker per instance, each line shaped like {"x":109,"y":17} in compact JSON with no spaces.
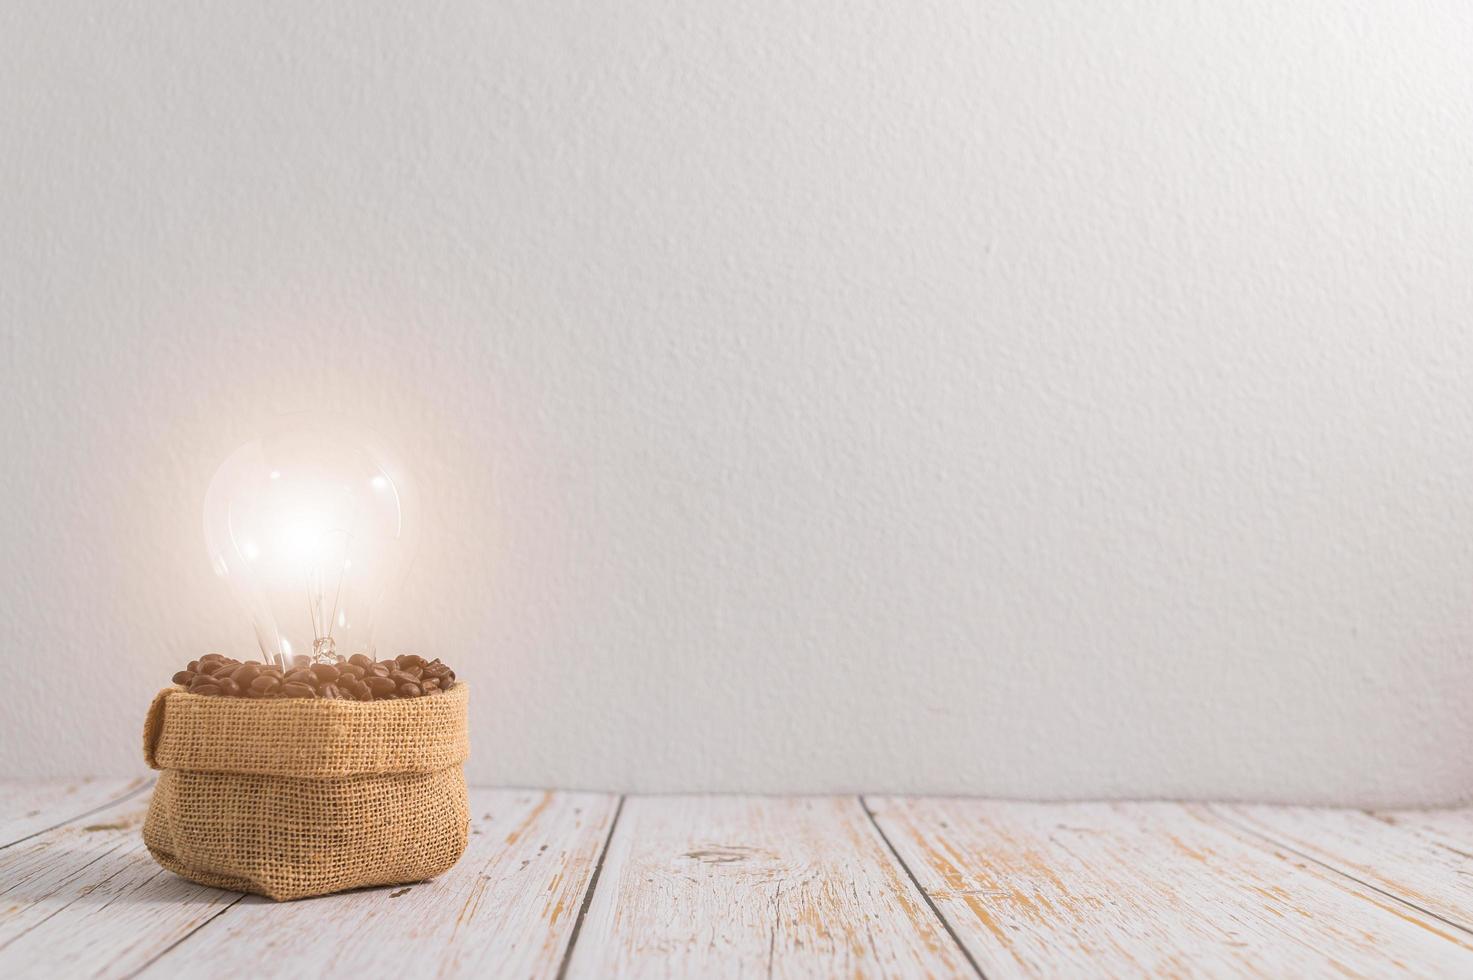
{"x":738,"y":885}
{"x":1250,"y":819}
{"x":1038,"y":889}
{"x":517,"y":888}
{"x":1241,"y":817}
{"x":507,"y":908}
{"x":920,"y":889}
{"x":182,"y":939}
{"x":588,"y":892}
{"x":93,"y":803}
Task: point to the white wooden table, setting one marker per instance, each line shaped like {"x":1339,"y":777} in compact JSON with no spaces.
{"x":589,"y":885}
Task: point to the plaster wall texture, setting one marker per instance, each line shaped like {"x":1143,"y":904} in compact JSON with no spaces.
{"x":1027,"y":399}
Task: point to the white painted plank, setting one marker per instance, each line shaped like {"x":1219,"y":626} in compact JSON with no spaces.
{"x":506,"y":909}
{"x":1148,"y":890}
{"x":1422,"y":856}
{"x":28,"y":808}
{"x":86,"y":899}
{"x":742,"y":886}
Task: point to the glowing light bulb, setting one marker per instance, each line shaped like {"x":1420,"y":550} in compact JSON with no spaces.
{"x":311,"y":526}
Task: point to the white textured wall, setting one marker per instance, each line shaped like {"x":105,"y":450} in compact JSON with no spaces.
{"x":1040,"y":399}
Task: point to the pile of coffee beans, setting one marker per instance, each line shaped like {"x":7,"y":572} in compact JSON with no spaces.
{"x":355,"y":678}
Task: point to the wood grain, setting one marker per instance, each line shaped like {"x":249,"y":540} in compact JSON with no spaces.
{"x":1151,"y":889}
{"x":86,"y":899}
{"x":726,"y":886}
{"x":730,"y":886}
{"x":1424,"y":857}
{"x":28,"y":808}
{"x":506,"y":910}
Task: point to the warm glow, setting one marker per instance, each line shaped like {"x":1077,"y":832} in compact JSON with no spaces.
{"x":299,"y":544}
{"x":308,"y":526}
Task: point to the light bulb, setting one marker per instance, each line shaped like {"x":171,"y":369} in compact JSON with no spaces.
{"x":311,"y":527}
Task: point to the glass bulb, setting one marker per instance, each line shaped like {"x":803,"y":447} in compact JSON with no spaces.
{"x":310,"y":527}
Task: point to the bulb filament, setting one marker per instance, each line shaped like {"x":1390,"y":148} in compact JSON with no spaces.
{"x":324,"y":647}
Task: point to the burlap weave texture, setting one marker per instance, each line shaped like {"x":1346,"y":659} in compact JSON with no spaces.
{"x":300,"y":797}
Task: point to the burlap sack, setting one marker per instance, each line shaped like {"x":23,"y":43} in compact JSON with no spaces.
{"x":298,"y":797}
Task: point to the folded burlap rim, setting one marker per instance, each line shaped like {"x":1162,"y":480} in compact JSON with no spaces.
{"x":308,"y":738}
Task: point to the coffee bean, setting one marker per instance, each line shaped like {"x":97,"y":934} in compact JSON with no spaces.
{"x":380,"y":686}
{"x":302,"y":676}
{"x":346,"y":678}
